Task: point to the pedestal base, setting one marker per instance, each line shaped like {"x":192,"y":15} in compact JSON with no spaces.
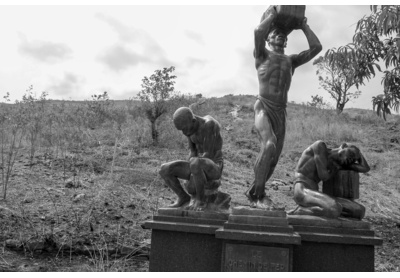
{"x":257,"y":240}
{"x":333,"y":245}
{"x":185,"y":241}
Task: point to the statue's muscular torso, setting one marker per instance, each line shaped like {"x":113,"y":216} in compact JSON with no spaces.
{"x":307,"y":165}
{"x":275,"y":76}
{"x":207,"y":140}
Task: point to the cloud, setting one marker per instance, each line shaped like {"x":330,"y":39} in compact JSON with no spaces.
{"x":67,"y":86}
{"x":195,"y":36}
{"x":247,"y":70}
{"x":151,"y":51}
{"x":44,"y":51}
{"x":191,"y":62}
{"x":119,"y":58}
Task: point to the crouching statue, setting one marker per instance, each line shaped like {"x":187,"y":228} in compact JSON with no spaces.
{"x":202,"y":170}
{"x":338,"y":168}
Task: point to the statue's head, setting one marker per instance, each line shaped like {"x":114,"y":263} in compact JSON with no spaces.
{"x":277,"y":37}
{"x":348,"y":154}
{"x":185,"y":120}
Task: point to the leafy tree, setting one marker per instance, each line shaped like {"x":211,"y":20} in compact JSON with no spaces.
{"x":157,"y":90}
{"x":376,"y":38}
{"x":337,"y":79}
{"x":317,"y":102}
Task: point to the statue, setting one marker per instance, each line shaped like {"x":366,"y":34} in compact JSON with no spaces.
{"x":318,"y":163}
{"x":203,"y":168}
{"x":274,"y":70}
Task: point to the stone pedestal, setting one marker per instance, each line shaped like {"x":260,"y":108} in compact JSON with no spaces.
{"x":185,"y":241}
{"x":333,"y":244}
{"x":257,"y":240}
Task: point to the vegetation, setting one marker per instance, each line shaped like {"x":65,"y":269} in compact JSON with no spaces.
{"x":157,"y":90}
{"x":376,"y":38}
{"x":317,"y":102}
{"x":79,"y":203}
{"x":337,"y":79}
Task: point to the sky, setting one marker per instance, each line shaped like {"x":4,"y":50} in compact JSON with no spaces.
{"x":74,"y":51}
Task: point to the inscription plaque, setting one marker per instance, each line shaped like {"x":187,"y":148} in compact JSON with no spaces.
{"x":251,"y":258}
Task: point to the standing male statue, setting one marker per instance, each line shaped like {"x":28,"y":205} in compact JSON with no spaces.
{"x":205,"y":163}
{"x":274,"y":70}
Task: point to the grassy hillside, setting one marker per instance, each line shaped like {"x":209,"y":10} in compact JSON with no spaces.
{"x":77,"y":203}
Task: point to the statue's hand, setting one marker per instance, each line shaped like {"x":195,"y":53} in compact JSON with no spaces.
{"x":269,"y":12}
{"x":303,"y":24}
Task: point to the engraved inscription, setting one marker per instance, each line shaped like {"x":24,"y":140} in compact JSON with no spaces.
{"x":251,"y":258}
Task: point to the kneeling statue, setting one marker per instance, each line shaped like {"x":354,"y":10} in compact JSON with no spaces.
{"x":203,"y":168}
{"x":317,"y":163}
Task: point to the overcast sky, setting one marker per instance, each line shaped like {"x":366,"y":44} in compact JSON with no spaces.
{"x":75,"y":51}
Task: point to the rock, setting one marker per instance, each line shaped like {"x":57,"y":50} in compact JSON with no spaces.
{"x":27,"y":200}
{"x":34,"y":245}
{"x":285,"y":188}
{"x":73,"y":183}
{"x":276,"y":184}
{"x":13,"y":243}
{"x":78,"y":197}
{"x":131,"y":206}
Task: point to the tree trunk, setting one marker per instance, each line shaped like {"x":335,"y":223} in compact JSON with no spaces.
{"x":154,"y":132}
{"x":339,"y":108}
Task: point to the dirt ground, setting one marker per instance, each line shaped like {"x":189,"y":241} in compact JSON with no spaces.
{"x":84,"y":211}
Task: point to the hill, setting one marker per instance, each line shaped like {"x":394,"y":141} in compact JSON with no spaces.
{"x":78,"y":202}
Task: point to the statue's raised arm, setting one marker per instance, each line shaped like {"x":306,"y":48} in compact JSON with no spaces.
{"x":261,"y":32}
{"x":314,"y":44}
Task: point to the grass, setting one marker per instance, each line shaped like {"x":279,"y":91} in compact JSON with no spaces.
{"x":93,"y":181}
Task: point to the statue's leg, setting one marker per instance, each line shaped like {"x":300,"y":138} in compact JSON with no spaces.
{"x":265,"y":158}
{"x":280,"y":139}
{"x":351,"y":209}
{"x":170,"y":172}
{"x":203,"y":170}
{"x":316,"y":202}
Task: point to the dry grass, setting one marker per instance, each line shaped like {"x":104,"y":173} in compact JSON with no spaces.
{"x":114,"y":184}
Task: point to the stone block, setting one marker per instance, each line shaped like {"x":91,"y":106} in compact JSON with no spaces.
{"x":328,"y":245}
{"x":243,"y":210}
{"x":184,"y":241}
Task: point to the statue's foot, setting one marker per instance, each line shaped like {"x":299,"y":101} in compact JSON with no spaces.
{"x":253,"y":204}
{"x":313,"y":211}
{"x":265,"y":203}
{"x":197,"y":205}
{"x":293,"y":211}
{"x":249,"y":195}
{"x":180,"y":202}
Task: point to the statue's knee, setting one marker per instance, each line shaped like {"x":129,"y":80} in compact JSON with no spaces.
{"x":335,"y":210}
{"x":299,"y":197}
{"x":270,"y":145}
{"x":359,"y":212}
{"x":362,"y":212}
{"x":195,"y":165}
{"x":164,"y":170}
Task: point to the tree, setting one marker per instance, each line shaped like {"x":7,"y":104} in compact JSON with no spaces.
{"x":376,"y":38}
{"x":317,"y":102}
{"x":337,"y":79}
{"x":157,"y":90}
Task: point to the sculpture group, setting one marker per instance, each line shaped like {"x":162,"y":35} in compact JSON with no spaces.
{"x":203,"y":168}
